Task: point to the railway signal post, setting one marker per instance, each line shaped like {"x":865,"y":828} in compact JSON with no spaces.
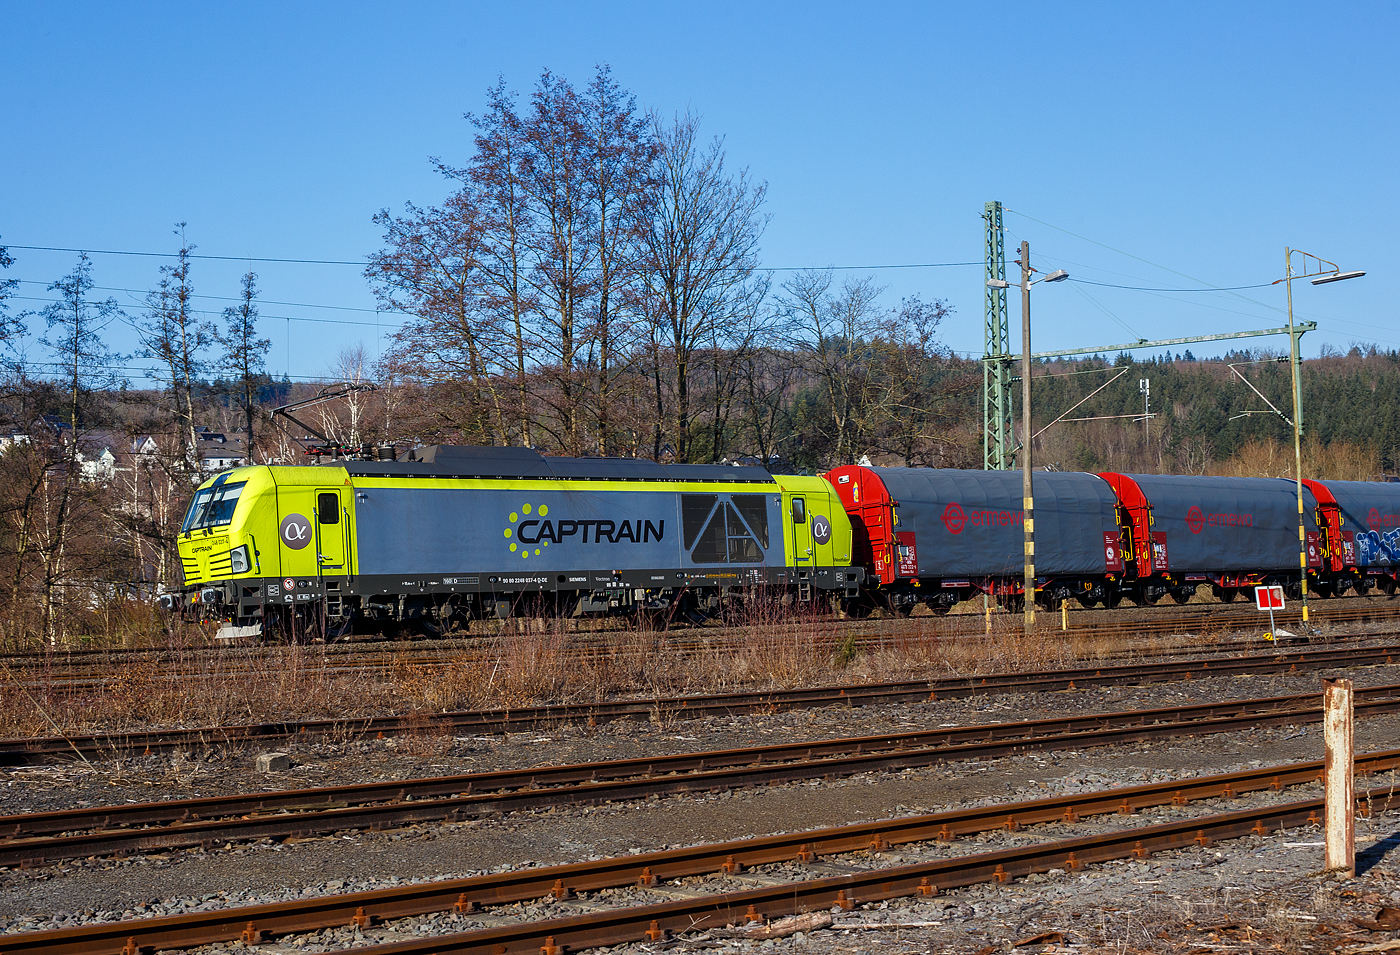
{"x":1270,"y":599}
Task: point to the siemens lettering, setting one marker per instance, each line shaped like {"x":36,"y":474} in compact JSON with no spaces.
{"x":613,"y":532}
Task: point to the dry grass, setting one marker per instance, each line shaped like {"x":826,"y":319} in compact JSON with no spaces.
{"x":526,"y":662}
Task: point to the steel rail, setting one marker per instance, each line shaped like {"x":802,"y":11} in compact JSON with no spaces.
{"x":468,"y":894}
{"x":1217,"y":616}
{"x":181,"y":823}
{"x":23,"y":751}
{"x":655,"y":922}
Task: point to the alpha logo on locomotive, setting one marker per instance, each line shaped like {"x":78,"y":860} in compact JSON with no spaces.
{"x":1197,"y":520}
{"x":295,"y":531}
{"x":955,"y":518}
{"x":542,"y":531}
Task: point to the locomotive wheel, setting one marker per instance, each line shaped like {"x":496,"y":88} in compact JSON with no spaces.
{"x":857,"y":608}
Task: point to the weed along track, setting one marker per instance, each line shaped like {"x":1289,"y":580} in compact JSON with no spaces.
{"x":19,"y":751}
{"x":777,"y":893}
{"x":39,"y":838}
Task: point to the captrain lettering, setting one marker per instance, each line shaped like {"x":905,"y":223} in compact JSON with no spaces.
{"x":591,"y":532}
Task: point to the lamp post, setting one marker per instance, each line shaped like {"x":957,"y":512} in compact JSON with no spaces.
{"x":1321,"y":272}
{"x":1027,"y":491}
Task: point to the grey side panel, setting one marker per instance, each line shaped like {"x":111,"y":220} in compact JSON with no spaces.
{"x":433,"y":531}
{"x":1226,"y":523}
{"x":1371,"y":512}
{"x":968,"y":523}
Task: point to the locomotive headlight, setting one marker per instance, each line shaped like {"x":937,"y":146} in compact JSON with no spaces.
{"x":238,"y":560}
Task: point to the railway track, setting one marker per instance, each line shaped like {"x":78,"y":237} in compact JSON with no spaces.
{"x":254,"y":924}
{"x":22,"y":751}
{"x":38,"y":838}
{"x":90,"y":667}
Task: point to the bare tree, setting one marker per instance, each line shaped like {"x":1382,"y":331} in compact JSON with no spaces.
{"x":554,"y":169}
{"x":768,"y":376}
{"x":351,"y":365}
{"x":453,"y":342}
{"x":700,"y":279}
{"x":832,"y":329}
{"x":74,"y":326}
{"x":10,"y":327}
{"x":620,"y":190}
{"x":244,"y":352}
{"x":505,"y":216}
{"x":177,"y":337}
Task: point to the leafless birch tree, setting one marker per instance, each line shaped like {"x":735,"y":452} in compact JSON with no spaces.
{"x":701,"y":282}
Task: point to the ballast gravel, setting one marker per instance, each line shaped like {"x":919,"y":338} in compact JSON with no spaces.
{"x":1167,"y":903}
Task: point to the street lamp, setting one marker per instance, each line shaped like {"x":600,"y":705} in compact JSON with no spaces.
{"x":1321,"y":272}
{"x":1028,"y":497}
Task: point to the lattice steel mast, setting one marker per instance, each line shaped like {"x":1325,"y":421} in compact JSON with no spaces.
{"x":998,"y":438}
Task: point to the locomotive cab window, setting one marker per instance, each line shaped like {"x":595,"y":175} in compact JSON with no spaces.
{"x":213,"y":507}
{"x":799,"y":511}
{"x":328,"y":508}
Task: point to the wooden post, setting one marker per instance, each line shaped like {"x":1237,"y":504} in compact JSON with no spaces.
{"x":987,"y":611}
{"x":1064,"y":614}
{"x":1340,"y":815}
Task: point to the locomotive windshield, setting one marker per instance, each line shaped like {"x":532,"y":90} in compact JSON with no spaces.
{"x":213,"y":507}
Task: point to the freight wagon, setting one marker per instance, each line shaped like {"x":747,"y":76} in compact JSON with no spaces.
{"x":942,"y":536}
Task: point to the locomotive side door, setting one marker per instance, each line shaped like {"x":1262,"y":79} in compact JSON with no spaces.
{"x":330,"y":532}
{"x":799,"y":532}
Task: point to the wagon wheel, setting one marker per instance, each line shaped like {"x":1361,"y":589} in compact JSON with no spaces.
{"x":1183,"y":596}
{"x":1112,"y":599}
{"x":1226,"y":594}
{"x":897,"y":607}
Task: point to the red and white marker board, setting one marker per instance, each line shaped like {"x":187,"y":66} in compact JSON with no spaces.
{"x":1268,"y":598}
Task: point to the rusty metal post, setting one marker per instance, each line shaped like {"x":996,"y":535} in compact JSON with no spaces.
{"x":1340,"y":816}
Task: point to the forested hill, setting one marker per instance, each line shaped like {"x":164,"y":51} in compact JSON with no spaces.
{"x":1206,"y":419}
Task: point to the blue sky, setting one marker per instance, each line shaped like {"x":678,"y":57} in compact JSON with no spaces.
{"x":1192,"y":143}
